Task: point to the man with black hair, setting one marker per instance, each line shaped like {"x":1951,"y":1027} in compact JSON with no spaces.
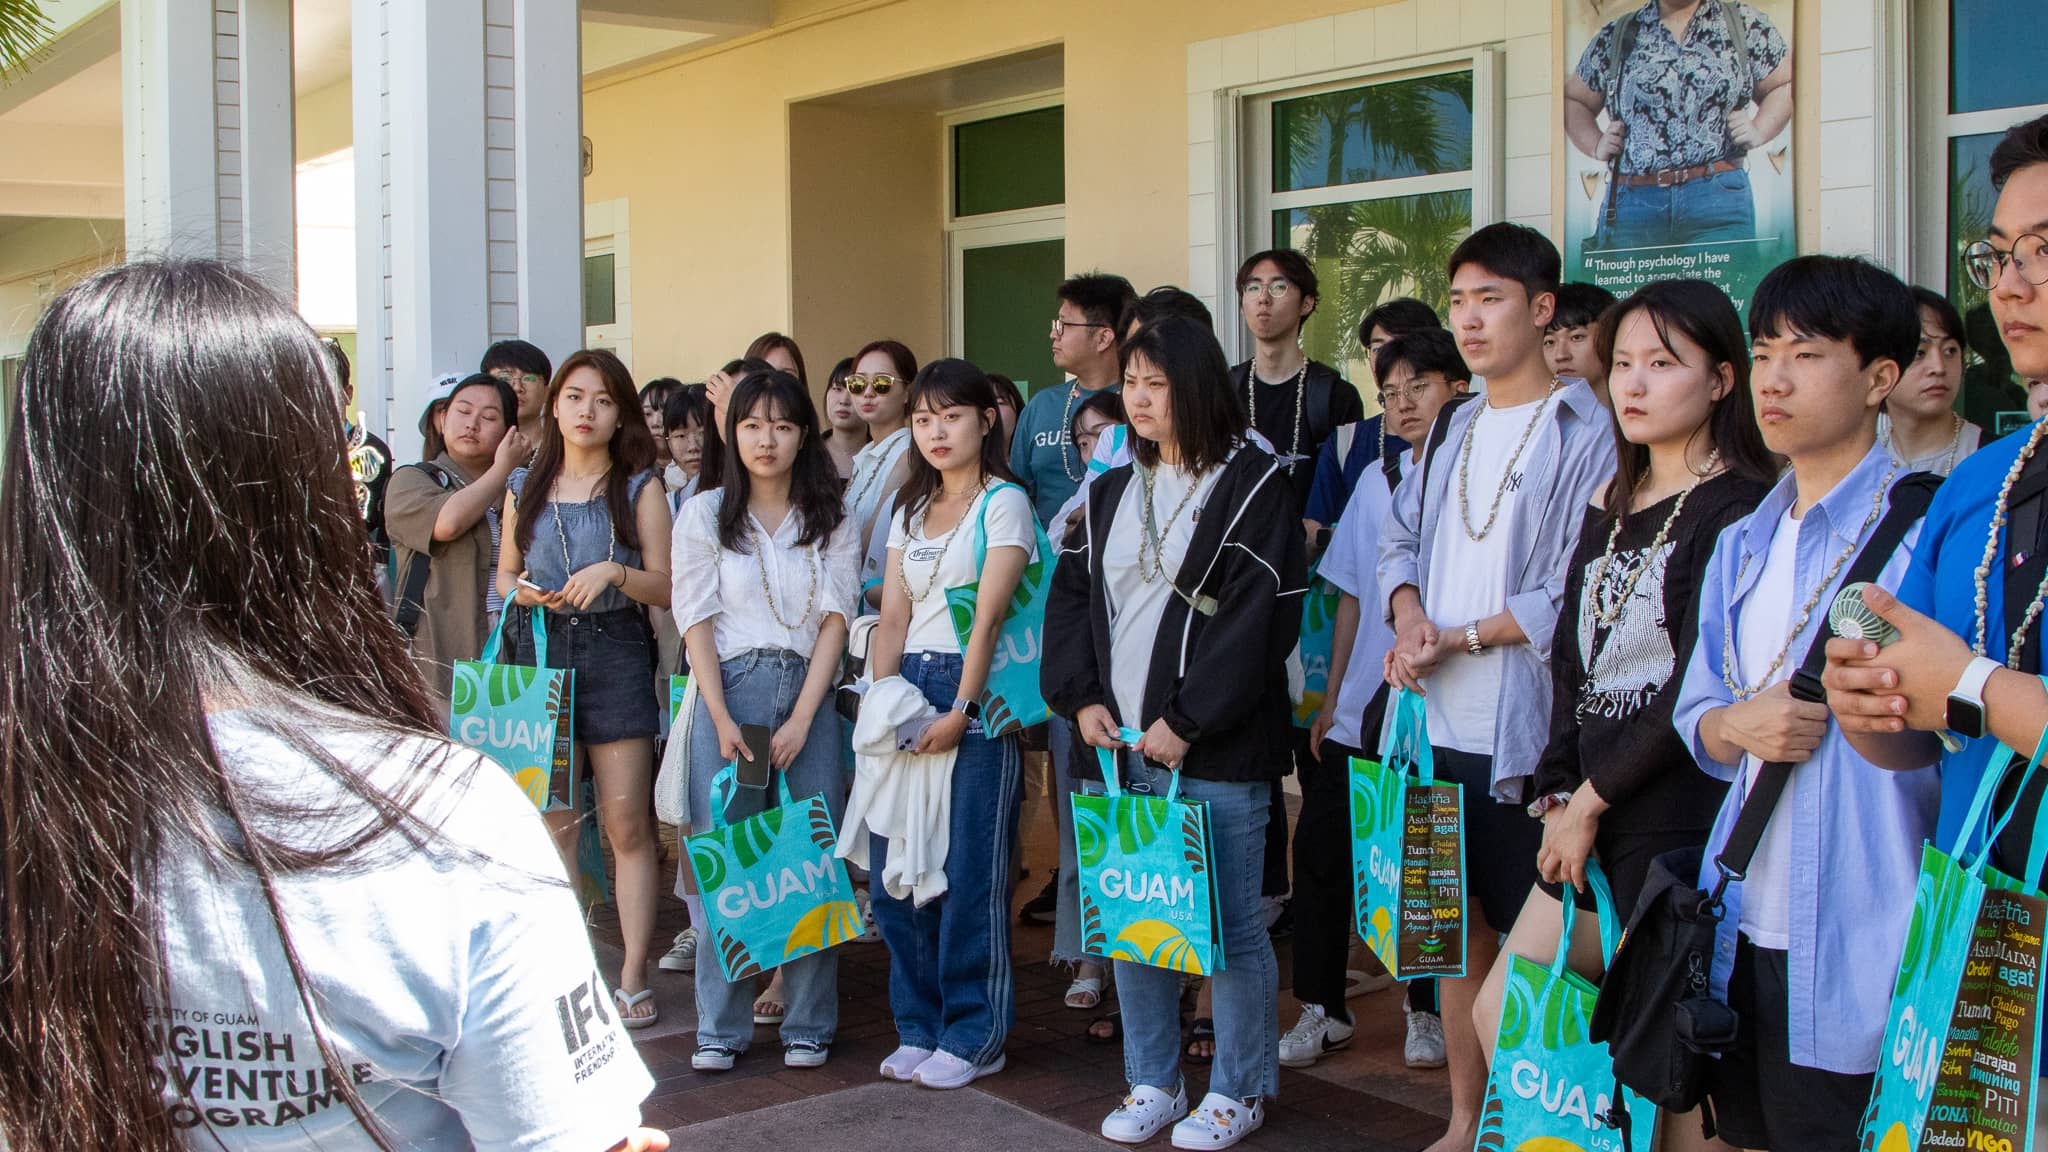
{"x":1084,"y":343}
{"x":1830,"y":885}
{"x":1344,"y":456}
{"x":1568,"y":342}
{"x":1295,"y":402}
{"x":1471,"y":575}
{"x":526,"y":368}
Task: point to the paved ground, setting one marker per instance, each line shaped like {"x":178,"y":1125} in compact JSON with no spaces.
{"x":1050,"y":1098}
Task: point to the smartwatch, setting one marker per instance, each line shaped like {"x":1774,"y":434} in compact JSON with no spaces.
{"x":1965,"y":713}
{"x":968,"y":708}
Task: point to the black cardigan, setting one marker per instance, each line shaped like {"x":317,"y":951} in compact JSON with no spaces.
{"x":1218,"y":678}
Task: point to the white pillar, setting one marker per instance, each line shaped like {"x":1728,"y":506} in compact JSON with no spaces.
{"x":207,"y":131}
{"x":469,"y":192}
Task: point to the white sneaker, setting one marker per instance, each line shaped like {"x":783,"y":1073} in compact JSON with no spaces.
{"x":1143,"y":1113}
{"x":866,"y":903}
{"x":903,"y":1062}
{"x":682,"y":955}
{"x":1314,"y":1036}
{"x":943,"y":1070}
{"x":1220,"y":1122}
{"x":1425,"y":1046}
{"x":713,"y":1058}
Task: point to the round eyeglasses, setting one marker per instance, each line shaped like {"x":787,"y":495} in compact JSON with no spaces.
{"x":1985,"y":262}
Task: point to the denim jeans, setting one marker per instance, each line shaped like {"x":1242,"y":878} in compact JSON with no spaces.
{"x":1066,"y":933}
{"x":1245,"y":994}
{"x":1710,"y":208}
{"x":950,"y":983}
{"x":761,"y":687}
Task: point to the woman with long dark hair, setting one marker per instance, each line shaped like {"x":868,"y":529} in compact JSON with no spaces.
{"x":766,"y":577}
{"x":239,"y":851}
{"x":953,"y":1007}
{"x":1615,"y":782}
{"x":1176,"y":606}
{"x":590,"y":547}
{"x":880,"y":386}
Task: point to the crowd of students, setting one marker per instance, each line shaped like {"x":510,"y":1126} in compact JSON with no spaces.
{"x":1596,"y":536}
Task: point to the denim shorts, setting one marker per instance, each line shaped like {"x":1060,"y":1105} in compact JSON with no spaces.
{"x":612,"y":656}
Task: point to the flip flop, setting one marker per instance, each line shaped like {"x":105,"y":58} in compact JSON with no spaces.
{"x":627,"y":1001}
{"x":1115,"y":1020}
{"x":765,"y":1017}
{"x":1204,"y":1030}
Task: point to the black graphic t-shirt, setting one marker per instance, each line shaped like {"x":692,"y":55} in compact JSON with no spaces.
{"x":1613,"y":685}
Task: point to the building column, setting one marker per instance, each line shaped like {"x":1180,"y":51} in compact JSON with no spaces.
{"x":469,"y":192}
{"x":207,"y":131}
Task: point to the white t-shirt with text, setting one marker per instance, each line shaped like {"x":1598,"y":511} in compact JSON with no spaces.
{"x":1006,"y":511}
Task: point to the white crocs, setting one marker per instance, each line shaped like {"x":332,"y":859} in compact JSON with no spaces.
{"x":1220,"y":1122}
{"x":1143,"y":1113}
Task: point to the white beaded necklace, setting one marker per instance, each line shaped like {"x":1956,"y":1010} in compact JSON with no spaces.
{"x":1066,"y":435}
{"x":1507,"y":474}
{"x":768,"y":587}
{"x":916,"y":532}
{"x":1955,"y":443}
{"x":1152,"y":532}
{"x":1251,"y":405}
{"x":1983,"y":576}
{"x":1609,"y":610}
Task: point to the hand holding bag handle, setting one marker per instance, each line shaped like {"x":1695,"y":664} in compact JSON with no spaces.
{"x":725,"y":786}
{"x":1408,"y":736}
{"x":1111,"y":784}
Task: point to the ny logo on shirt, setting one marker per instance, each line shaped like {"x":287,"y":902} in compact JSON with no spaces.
{"x":1514,"y":482}
{"x":578,"y":1008}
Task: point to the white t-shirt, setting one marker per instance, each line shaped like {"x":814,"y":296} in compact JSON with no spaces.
{"x":869,"y":484}
{"x":1010,"y":523}
{"x":456,"y":983}
{"x":1351,"y":564}
{"x":1137,"y":605}
{"x":1468,"y":579}
{"x":726,"y":588}
{"x":1760,"y":630}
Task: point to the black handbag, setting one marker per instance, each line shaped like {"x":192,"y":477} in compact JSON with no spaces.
{"x":1657,"y":1012}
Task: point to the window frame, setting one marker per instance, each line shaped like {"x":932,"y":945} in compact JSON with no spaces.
{"x":987,"y":229}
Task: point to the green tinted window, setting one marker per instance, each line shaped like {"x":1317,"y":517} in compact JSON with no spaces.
{"x":600,"y":290}
{"x":1010,"y":162}
{"x":1419,"y":127}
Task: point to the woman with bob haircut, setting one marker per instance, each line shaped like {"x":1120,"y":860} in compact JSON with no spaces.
{"x":227,"y":794}
{"x":1180,"y":600}
{"x":590,"y":529}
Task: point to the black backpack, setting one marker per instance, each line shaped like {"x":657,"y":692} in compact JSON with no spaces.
{"x":412,"y":585}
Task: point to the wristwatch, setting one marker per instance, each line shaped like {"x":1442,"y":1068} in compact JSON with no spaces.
{"x":968,"y":708}
{"x":1472,"y":643}
{"x":1965,"y":713}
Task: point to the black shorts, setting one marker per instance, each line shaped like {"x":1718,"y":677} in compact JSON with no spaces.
{"x":1500,"y":841}
{"x":1762,"y":1101}
{"x":612,"y":656}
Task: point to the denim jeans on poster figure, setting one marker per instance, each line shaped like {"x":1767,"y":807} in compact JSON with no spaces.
{"x":1711,"y":208}
{"x":761,"y":687}
{"x":1245,"y":994}
{"x":1061,"y":740}
{"x":950,"y":984}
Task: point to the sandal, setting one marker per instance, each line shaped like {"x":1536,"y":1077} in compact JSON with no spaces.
{"x":768,"y":1011}
{"x":1204,"y":1032}
{"x":1115,"y":1020}
{"x":1085,"y":993}
{"x":627,"y":1001}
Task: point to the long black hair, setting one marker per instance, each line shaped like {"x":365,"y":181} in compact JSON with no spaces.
{"x":1703,"y":314}
{"x":1208,"y":418}
{"x":814,"y":486}
{"x":178,"y":529}
{"x":632,"y":450}
{"x":944,"y":384}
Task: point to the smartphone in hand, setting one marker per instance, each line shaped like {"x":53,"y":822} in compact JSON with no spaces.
{"x":754,"y":766}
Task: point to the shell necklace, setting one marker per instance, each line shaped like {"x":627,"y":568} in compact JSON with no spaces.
{"x":916,"y":527}
{"x":1609,"y":609}
{"x":1251,"y":406}
{"x":1154,"y":534}
{"x":1067,"y":436}
{"x":1999,"y":511}
{"x":1955,"y":443}
{"x":768,"y":587}
{"x":1507,"y":474}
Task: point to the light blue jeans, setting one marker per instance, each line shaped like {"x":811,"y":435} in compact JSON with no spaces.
{"x":1245,"y":994}
{"x":1717,"y":207}
{"x":1066,"y":932}
{"x":761,"y":687}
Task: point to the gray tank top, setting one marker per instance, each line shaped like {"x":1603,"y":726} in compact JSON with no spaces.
{"x":568,"y":538}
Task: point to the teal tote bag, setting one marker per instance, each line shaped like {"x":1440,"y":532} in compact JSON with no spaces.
{"x":519,"y":716}
{"x":1317,"y":645}
{"x":773,"y":890}
{"x":1960,"y":1058}
{"x":1011,"y":701}
{"x":1148,"y":894}
{"x":1408,"y":852}
{"x":1549,"y":1082}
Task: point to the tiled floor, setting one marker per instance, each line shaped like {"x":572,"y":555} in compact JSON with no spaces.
{"x":1361,"y":1099}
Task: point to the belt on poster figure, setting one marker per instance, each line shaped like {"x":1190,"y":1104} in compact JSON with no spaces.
{"x":1672,"y":177}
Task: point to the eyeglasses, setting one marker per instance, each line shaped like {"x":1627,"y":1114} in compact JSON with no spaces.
{"x":1060,"y":326}
{"x":1275,"y":289}
{"x":514,"y":376}
{"x":1986,"y":264}
{"x":1409,"y":393}
{"x":880,"y":383}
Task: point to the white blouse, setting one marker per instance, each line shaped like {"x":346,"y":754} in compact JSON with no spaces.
{"x":733,"y":589}
{"x":870,"y":482}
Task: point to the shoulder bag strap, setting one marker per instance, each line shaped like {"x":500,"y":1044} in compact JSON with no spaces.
{"x":1908,"y":502}
{"x":1439,"y":432}
{"x":412,"y":587}
{"x":1738,"y":45}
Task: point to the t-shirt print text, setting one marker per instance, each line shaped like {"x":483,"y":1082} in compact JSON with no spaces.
{"x":577,"y":1009}
{"x":225,"y":1069}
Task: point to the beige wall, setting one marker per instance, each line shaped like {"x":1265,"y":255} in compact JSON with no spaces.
{"x":54,"y":251}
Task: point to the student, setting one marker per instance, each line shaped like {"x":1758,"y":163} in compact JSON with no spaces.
{"x":1096,"y":415}
{"x":1919,"y":423}
{"x":1294,"y":401}
{"x":1419,"y":374}
{"x":684,"y":417}
{"x":592,"y":530}
{"x":845,"y":432}
{"x":1365,"y":443}
{"x":1830,"y":337}
{"x":1084,"y":341}
{"x":949,"y":959}
{"x":443,"y":515}
{"x":288,"y":826}
{"x":1009,"y":402}
{"x":1199,"y":514}
{"x":1568,"y":342}
{"x":653,"y":399}
{"x":780,"y":353}
{"x":526,"y":368}
{"x":766,"y":574}
{"x":1472,"y":565}
{"x":1616,"y":781}
{"x":880,"y":387}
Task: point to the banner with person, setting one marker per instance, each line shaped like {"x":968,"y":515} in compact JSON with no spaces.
{"x":1408,"y":852}
{"x":1678,"y":160}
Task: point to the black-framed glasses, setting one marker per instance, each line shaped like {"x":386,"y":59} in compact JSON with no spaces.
{"x":1985,"y":262}
{"x":1059,"y":326}
{"x":881,"y":383}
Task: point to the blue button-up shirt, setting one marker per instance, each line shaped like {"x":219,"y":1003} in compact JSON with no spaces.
{"x":1856,"y":828}
{"x":1570,"y":459}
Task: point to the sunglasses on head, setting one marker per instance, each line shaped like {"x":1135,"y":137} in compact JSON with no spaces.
{"x":880,"y":383}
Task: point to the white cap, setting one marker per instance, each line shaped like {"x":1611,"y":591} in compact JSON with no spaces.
{"x":444,"y":386}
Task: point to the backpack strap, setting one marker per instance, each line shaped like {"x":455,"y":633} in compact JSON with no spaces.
{"x":412,"y":587}
{"x":1438,"y":433}
{"x":1318,"y":401}
{"x":1738,"y":44}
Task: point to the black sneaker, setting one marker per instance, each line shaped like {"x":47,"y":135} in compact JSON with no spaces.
{"x":1044,"y":907}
